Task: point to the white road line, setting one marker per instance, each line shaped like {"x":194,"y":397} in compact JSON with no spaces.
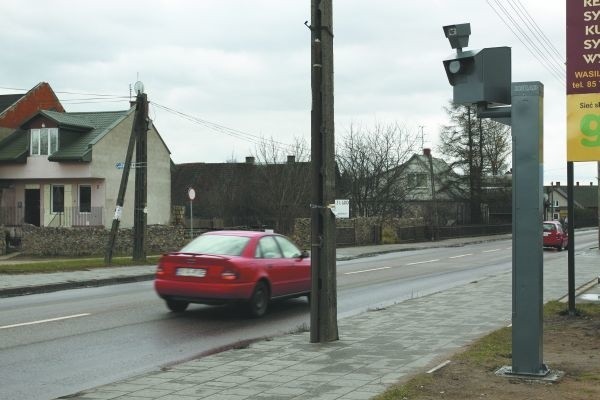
{"x":490,"y":251}
{"x":366,"y":270}
{"x":438,"y":367}
{"x":423,"y":262}
{"x":462,"y":255}
{"x":43,"y":321}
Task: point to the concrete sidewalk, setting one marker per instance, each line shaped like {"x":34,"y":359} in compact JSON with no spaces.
{"x":375,"y":349}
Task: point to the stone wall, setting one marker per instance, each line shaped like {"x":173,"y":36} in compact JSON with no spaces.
{"x":92,"y":241}
{"x":3,"y":244}
{"x":357,"y":231}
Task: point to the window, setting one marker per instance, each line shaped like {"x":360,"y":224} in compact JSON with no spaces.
{"x":289,"y":249}
{"x":416,"y":180}
{"x":44,"y":141}
{"x":58,"y":199}
{"x":85,"y":198}
{"x":267,"y":248}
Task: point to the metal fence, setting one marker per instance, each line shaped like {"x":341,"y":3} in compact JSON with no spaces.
{"x":71,"y":216}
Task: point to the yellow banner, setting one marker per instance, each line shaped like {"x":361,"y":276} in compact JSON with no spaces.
{"x":583,"y":127}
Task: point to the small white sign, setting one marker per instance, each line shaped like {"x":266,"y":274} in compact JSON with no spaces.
{"x":341,"y":208}
{"x":191,"y":193}
{"x":120,"y":165}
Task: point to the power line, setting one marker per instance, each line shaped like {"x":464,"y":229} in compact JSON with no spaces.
{"x":544,"y":56}
{"x":254,"y":139}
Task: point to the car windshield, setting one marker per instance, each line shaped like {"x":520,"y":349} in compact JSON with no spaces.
{"x":222,"y":245}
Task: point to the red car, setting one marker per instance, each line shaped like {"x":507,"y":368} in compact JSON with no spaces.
{"x":555,"y":235}
{"x":233,"y":266}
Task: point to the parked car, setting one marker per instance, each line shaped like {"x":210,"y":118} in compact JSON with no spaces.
{"x":233,"y":266}
{"x":555,"y":235}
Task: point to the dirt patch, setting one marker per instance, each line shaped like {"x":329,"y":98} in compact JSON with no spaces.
{"x":571,"y":344}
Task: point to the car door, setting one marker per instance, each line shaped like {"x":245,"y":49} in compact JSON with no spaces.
{"x":269,"y":257}
{"x":298,"y":272}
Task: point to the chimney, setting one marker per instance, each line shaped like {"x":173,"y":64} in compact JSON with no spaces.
{"x":557,"y":184}
{"x":576,"y":183}
{"x":291,"y":159}
{"x":250,"y":160}
{"x":427,"y":152}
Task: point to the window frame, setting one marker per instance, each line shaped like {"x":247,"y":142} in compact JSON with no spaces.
{"x":53,"y":209}
{"x":79,"y":203}
{"x":40,"y":135}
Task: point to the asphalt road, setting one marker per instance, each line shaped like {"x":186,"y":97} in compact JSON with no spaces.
{"x":56,"y":344}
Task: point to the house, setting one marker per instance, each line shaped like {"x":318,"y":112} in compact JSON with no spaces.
{"x":62,"y":169}
{"x":247,"y":194}
{"x":447,"y":200}
{"x":585,"y":203}
{"x":16,"y":108}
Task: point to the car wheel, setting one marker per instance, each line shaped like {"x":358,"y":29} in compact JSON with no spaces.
{"x":259,"y":300}
{"x":176,"y":305}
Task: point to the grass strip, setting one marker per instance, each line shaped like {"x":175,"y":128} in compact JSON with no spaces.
{"x":62,"y":265}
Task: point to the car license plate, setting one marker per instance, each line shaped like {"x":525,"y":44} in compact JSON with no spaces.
{"x":197,"y":272}
{"x":546,"y":233}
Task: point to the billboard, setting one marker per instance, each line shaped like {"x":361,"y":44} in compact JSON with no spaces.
{"x":583,"y":80}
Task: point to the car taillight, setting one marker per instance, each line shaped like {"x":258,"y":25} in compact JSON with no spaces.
{"x":159,"y":270}
{"x":229,"y":275}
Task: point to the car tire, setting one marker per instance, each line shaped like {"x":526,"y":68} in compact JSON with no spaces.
{"x":259,"y":300}
{"x":177,"y":306}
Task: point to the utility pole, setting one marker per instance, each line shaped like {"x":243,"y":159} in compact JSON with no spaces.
{"x":138,"y":119}
{"x":323,"y":312}
{"x":435,"y":221}
{"x":140,"y":214}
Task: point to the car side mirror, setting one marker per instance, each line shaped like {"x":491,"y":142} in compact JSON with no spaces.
{"x":304,"y":254}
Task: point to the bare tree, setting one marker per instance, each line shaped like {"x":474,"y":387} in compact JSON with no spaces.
{"x":369,"y":161}
{"x":477,"y":147}
{"x":282,"y":181}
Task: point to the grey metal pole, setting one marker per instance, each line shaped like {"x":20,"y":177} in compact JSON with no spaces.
{"x":528,"y":199}
{"x":571,"y":232}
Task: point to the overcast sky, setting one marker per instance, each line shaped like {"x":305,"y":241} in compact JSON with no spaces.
{"x":245,"y":65}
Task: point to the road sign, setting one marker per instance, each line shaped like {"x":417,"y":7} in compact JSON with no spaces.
{"x":583,"y":81}
{"x":341,"y":208}
{"x":120,"y":165}
{"x":191,"y":193}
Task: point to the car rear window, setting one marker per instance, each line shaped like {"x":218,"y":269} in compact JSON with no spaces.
{"x":549,"y":227}
{"x":221,"y":245}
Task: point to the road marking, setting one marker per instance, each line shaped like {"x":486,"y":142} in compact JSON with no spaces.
{"x":43,"y":321}
{"x":490,"y":251}
{"x":423,"y":262}
{"x":462,"y":255}
{"x":366,"y":270}
{"x":438,"y":367}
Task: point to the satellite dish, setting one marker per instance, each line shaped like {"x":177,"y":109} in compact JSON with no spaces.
{"x":138,"y":87}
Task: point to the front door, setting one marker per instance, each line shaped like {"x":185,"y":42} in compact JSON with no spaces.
{"x":32,"y":206}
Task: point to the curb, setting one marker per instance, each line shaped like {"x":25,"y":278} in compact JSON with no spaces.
{"x":55,"y":287}
{"x":581,"y":289}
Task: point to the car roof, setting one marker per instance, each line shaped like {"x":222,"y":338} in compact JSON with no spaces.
{"x":238,"y":233}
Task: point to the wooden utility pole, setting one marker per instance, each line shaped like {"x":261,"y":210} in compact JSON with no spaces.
{"x":138,"y":119}
{"x":141,"y":177}
{"x":323,"y":313}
